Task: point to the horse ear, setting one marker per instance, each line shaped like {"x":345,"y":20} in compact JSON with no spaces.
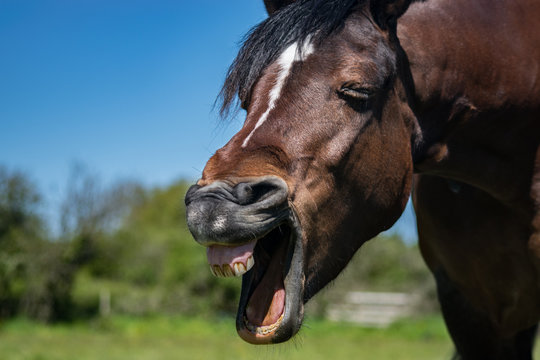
{"x":274,"y":5}
{"x":386,"y":12}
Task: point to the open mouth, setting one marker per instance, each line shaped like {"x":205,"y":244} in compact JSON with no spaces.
{"x":271,"y":307}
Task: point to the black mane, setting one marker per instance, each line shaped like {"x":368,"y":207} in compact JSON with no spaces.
{"x":315,"y":19}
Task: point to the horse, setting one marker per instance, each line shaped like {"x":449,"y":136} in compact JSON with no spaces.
{"x":351,"y":106}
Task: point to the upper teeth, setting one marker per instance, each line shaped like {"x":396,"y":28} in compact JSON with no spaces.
{"x":238,"y":268}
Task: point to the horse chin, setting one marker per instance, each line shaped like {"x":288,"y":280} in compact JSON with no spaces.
{"x":271,"y":305}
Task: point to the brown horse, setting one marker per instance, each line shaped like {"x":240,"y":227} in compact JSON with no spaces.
{"x":345,"y":100}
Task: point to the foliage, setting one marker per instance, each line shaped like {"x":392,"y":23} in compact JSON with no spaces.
{"x":37,"y":271}
{"x":154,"y":252}
{"x":126,"y":249}
{"x":30,"y":271}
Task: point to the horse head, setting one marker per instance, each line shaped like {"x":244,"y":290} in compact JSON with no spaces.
{"x":322,"y":163}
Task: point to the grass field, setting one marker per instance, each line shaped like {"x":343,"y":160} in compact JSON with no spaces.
{"x":190,"y":338}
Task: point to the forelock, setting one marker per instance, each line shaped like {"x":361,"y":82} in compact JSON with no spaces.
{"x":300,"y":22}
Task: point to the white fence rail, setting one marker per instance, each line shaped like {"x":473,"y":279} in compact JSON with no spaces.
{"x":372,"y":309}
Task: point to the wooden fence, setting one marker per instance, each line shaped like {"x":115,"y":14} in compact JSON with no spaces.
{"x":372,"y":309}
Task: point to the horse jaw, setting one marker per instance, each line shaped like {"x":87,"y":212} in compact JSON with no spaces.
{"x":271,"y":309}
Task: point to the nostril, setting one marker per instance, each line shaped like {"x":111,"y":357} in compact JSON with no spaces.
{"x":263,"y":190}
{"x":251,"y":193}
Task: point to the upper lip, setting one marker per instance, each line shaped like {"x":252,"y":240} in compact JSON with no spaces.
{"x":239,"y":220}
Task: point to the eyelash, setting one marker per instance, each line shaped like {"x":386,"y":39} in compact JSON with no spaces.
{"x":355,"y":92}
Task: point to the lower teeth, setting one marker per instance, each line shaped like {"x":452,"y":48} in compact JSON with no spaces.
{"x":262,"y":330}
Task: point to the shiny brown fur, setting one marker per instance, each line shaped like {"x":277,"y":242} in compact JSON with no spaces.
{"x":477,"y":86}
{"x":340,"y":167}
{"x":457,"y":100}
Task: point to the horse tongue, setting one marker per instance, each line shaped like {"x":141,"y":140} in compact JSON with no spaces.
{"x":267,"y":302}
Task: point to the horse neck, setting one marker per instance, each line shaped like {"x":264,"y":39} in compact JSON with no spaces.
{"x":475,"y":65}
{"x":484,"y":50}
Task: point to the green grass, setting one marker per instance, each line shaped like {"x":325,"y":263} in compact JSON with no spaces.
{"x":191,"y":338}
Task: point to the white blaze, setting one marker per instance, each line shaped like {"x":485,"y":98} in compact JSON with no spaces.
{"x":285,"y":62}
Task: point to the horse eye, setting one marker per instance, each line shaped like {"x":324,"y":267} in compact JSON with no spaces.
{"x":356,"y":93}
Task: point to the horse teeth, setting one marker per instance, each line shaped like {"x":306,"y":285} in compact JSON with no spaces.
{"x":222,"y":271}
{"x":262,"y":330}
{"x":250,"y":263}
{"x":238,"y":269}
{"x":216,"y":270}
{"x":227,"y":271}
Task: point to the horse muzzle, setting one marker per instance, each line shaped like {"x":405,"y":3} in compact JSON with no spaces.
{"x":231,"y":215}
{"x":250,"y":229}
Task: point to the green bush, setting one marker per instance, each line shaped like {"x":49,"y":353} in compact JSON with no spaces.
{"x":165,"y":270}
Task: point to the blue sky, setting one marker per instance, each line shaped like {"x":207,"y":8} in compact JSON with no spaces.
{"x":125,"y":87}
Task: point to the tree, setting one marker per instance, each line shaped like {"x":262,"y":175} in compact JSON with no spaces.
{"x":21,"y":230}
